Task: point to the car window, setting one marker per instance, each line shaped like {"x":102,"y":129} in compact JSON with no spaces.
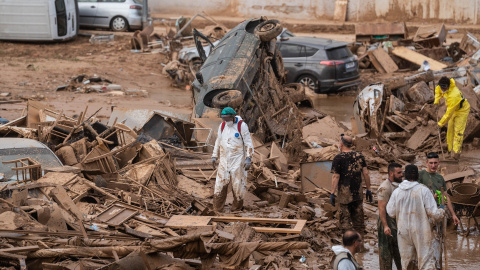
{"x":339,"y":53}
{"x":309,"y":51}
{"x":291,"y":50}
{"x":87,"y":0}
{"x":138,"y":1}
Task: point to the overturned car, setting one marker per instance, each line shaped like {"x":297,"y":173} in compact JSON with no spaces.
{"x":245,"y":71}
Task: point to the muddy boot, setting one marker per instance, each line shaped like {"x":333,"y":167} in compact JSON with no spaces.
{"x":456,"y":156}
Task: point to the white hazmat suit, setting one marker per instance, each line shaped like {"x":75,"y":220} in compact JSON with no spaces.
{"x":232,"y":147}
{"x":414,"y":207}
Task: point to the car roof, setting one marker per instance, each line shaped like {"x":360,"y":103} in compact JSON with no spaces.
{"x":9,"y":143}
{"x":319,"y":43}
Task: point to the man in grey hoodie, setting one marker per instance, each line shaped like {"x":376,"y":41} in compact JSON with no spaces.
{"x":345,"y":255}
{"x":412,"y":204}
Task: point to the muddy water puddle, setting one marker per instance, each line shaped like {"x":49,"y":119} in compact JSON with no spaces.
{"x":340,"y":107}
{"x":462,"y":253}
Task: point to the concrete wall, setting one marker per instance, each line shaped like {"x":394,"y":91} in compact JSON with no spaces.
{"x":458,"y":11}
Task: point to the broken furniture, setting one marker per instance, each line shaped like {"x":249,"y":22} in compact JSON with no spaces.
{"x":375,"y":32}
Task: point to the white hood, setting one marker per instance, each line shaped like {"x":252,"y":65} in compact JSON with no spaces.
{"x":405,"y":185}
{"x":339,"y":249}
{"x":238,"y":117}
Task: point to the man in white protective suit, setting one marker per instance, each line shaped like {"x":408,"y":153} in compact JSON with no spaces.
{"x":414,"y":207}
{"x":234,"y":149}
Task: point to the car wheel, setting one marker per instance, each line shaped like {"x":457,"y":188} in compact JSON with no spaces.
{"x":296,"y":91}
{"x":268,"y":30}
{"x":308,"y":81}
{"x":229,"y":98}
{"x":119,"y":24}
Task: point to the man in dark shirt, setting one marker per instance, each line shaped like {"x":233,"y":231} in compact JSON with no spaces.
{"x":348,"y":168}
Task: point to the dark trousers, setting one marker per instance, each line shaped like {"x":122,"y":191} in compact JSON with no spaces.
{"x":388,"y":246}
{"x":351,"y":216}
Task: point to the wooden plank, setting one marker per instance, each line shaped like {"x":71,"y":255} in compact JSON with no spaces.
{"x":281,"y":163}
{"x":457,"y":175}
{"x":61,"y":197}
{"x":21,"y":249}
{"x":376,"y":63}
{"x":417,"y":139}
{"x":340,"y":12}
{"x":417,"y":58}
{"x":384,"y":60}
{"x":182,"y":221}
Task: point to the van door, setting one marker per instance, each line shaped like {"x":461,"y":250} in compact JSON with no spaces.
{"x":62,"y":20}
{"x":71,"y":17}
{"x":87,"y":10}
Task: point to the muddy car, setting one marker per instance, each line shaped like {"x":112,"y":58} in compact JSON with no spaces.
{"x":245,"y":71}
{"x":230,"y":70}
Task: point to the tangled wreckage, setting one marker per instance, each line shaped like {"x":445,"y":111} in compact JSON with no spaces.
{"x":137,"y":191}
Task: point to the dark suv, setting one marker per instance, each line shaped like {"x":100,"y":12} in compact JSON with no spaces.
{"x":324,"y":65}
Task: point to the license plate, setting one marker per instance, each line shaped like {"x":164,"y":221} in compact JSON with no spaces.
{"x":350,"y":65}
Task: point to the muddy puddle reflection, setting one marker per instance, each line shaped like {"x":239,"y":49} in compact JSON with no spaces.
{"x":463,"y":252}
{"x":340,"y":107}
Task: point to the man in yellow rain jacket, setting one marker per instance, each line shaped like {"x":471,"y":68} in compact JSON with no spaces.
{"x":456,"y":114}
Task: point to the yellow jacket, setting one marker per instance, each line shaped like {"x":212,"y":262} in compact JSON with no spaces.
{"x":453,"y":98}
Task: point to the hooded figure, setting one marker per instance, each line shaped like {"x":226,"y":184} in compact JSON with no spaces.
{"x":457,"y":112}
{"x":414,"y":207}
{"x":235,"y":149}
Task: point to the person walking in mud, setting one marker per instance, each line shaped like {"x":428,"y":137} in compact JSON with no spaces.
{"x":387,"y":226}
{"x":347,"y":169}
{"x":413,"y":206}
{"x":457,"y":112}
{"x":435,"y":182}
{"x":234,"y":148}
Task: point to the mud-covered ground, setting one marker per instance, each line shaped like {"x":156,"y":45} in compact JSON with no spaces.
{"x":35,"y":70}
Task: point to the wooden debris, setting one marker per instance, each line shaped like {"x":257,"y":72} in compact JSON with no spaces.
{"x":417,"y":58}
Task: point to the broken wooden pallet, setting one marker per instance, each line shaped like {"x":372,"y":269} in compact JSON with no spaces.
{"x":182,"y":221}
{"x":417,"y":58}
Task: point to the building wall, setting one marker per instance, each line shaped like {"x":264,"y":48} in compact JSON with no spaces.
{"x":454,"y":11}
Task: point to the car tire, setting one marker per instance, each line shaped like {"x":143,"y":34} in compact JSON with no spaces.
{"x":229,"y":98}
{"x":268,"y":30}
{"x":308,"y":81}
{"x":277,"y":65}
{"x":296,"y":91}
{"x":119,"y":24}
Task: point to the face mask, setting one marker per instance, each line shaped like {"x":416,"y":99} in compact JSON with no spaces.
{"x":230,"y":123}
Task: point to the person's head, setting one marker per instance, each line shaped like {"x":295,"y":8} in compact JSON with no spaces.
{"x":444,"y":83}
{"x":346,"y":142}
{"x":432,"y":162}
{"x":411,"y":172}
{"x":228,"y":114}
{"x":395,"y":172}
{"x":352,"y":240}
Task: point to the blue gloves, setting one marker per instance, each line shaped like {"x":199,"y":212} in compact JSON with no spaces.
{"x":369,"y":196}
{"x":248,"y":163}
{"x":332,"y":199}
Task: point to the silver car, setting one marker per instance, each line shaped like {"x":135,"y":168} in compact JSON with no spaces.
{"x":118,"y":15}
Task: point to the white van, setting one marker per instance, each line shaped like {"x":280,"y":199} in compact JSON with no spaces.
{"x":38,"y":20}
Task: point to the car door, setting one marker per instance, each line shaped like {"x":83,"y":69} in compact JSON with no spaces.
{"x":87,"y":10}
{"x":107,"y":9}
{"x":294,"y":60}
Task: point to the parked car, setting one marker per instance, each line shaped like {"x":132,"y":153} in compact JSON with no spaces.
{"x":118,"y":15}
{"x":324,"y":65}
{"x":17,"y":148}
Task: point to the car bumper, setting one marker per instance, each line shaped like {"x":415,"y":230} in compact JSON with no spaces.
{"x":333,"y":85}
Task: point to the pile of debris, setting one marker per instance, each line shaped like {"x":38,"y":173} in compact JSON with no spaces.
{"x":137,"y":195}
